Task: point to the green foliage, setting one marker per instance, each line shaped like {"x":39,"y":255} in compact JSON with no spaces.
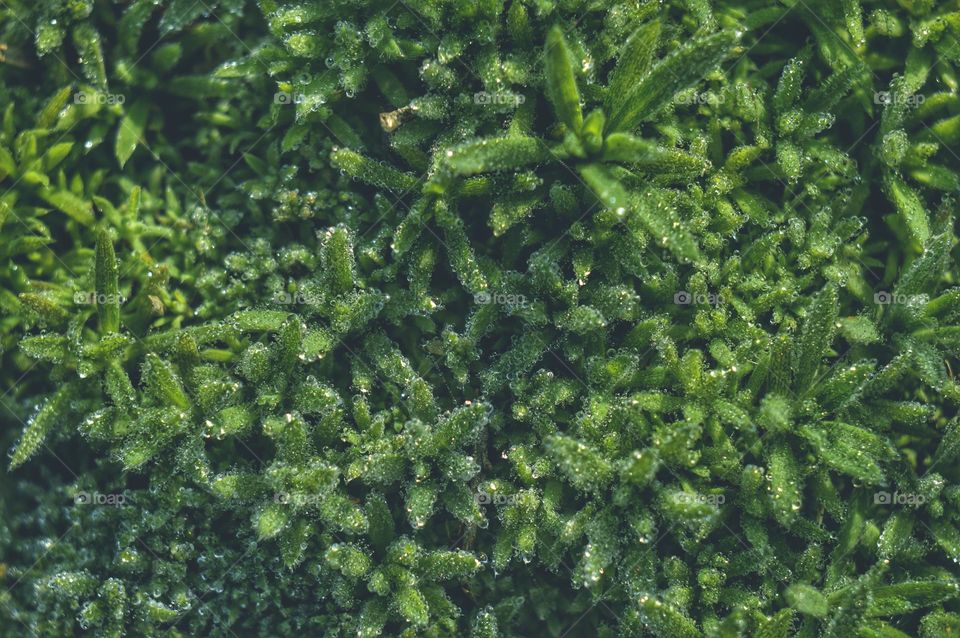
{"x":490,"y":319}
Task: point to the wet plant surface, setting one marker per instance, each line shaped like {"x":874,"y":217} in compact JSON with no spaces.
{"x":490,"y":319}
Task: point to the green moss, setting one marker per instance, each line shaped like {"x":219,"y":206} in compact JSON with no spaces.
{"x":499,"y":318}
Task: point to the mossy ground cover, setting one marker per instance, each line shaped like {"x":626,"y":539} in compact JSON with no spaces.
{"x":481,"y":318}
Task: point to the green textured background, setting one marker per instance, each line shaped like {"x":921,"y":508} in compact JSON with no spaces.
{"x":479,"y":318}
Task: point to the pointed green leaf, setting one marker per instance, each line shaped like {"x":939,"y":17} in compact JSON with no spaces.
{"x":678,"y":71}
{"x":370,"y":171}
{"x":905,"y":597}
{"x":859,"y":329}
{"x":909,"y":206}
{"x":8,"y":166}
{"x":656,"y":215}
{"x":132,"y":210}
{"x":43,"y":305}
{"x":338,"y":259}
{"x":848,"y":605}
{"x":819,"y":328}
{"x":788,"y":88}
{"x":162,"y":381}
{"x":411,"y":604}
{"x":51,"y":110}
{"x":119,"y":386}
{"x":633,"y":64}
{"x":76,"y":208}
{"x":647,"y":156}
{"x":833,"y":89}
{"x":807,"y":600}
{"x":51,"y":414}
{"x":260,"y":320}
{"x":949,"y":447}
{"x":495,"y":154}
{"x":926,"y":271}
{"x":131,"y":24}
{"x":108,"y":294}
{"x":382,"y":528}
{"x":130,"y":133}
{"x":561,"y":81}
{"x":56,"y":154}
{"x":180,"y":13}
{"x":591,"y":133}
{"x":87,"y":41}
{"x":786,"y":484}
{"x":50,"y":347}
{"x":853,"y":14}
{"x":843,"y":452}
{"x":947,"y":536}
{"x":509,"y":211}
{"x":583,"y":466}
{"x":896,"y":534}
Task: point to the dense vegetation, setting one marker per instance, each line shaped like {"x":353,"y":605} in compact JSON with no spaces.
{"x":479,"y":318}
